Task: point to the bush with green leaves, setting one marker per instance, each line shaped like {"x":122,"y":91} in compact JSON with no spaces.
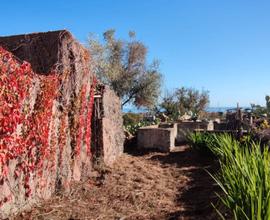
{"x":134,"y":121}
{"x":202,"y":142}
{"x":244,"y":175}
{"x":132,"y":118}
{"x":184,"y":100}
{"x":245,"y":179}
{"x":133,"y":128}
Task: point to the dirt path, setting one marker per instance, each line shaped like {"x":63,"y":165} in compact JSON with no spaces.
{"x":148,"y":186}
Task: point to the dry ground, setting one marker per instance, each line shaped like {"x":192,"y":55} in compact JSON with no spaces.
{"x":147,"y":186}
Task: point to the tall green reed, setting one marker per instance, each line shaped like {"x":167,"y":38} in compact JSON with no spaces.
{"x":244,"y":176}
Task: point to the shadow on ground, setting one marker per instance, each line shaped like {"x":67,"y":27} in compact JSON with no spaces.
{"x":141,"y":185}
{"x":197,"y":195}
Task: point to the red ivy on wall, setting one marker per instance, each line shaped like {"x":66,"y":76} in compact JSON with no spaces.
{"x":25,"y":128}
{"x":89,"y":117}
{"x":16,"y":81}
{"x":84,"y":132}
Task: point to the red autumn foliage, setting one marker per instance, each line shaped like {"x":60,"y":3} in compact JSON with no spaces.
{"x":25,"y":129}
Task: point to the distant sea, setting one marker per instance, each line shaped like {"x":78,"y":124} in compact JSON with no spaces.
{"x":218,"y":109}
{"x":209,"y":109}
{"x":224,"y":109}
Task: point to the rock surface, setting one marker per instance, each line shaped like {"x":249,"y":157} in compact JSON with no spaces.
{"x":59,"y":116}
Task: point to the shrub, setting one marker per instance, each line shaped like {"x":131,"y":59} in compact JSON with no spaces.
{"x":202,"y":142}
{"x":245,"y":179}
{"x":244,"y":175}
{"x":132,"y":118}
{"x":133,"y":128}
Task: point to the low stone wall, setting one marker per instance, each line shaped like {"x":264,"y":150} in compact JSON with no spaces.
{"x":173,"y":126}
{"x":154,"y":137}
{"x":221,"y":126}
{"x":183,"y":129}
{"x":165,"y":135}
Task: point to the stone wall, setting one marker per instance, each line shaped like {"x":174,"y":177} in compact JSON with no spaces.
{"x":112,"y":127}
{"x":170,"y":125}
{"x":45,"y":123}
{"x":183,"y":128}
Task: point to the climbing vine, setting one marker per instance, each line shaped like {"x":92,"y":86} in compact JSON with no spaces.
{"x":26,"y":130}
{"x":85,"y":116}
{"x":24,"y":134}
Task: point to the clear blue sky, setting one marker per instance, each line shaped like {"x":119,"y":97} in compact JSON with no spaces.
{"x":219,"y":45}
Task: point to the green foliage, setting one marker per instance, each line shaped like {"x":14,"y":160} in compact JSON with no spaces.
{"x":170,"y":105}
{"x":245,"y":181}
{"x":122,"y":65}
{"x":132,"y":118}
{"x":267,"y":99}
{"x":190,"y":99}
{"x":202,"y":142}
{"x":185,"y":100}
{"x":244,"y":176}
{"x":133,"y":128}
{"x":258,"y":110}
{"x":134,"y":121}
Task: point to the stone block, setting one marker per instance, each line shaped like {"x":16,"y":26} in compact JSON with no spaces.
{"x":154,"y":137}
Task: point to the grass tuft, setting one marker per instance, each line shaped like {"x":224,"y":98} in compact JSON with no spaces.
{"x":244,"y":175}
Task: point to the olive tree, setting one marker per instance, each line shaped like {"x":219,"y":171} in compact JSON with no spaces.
{"x":122,"y":65}
{"x":184,"y":100}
